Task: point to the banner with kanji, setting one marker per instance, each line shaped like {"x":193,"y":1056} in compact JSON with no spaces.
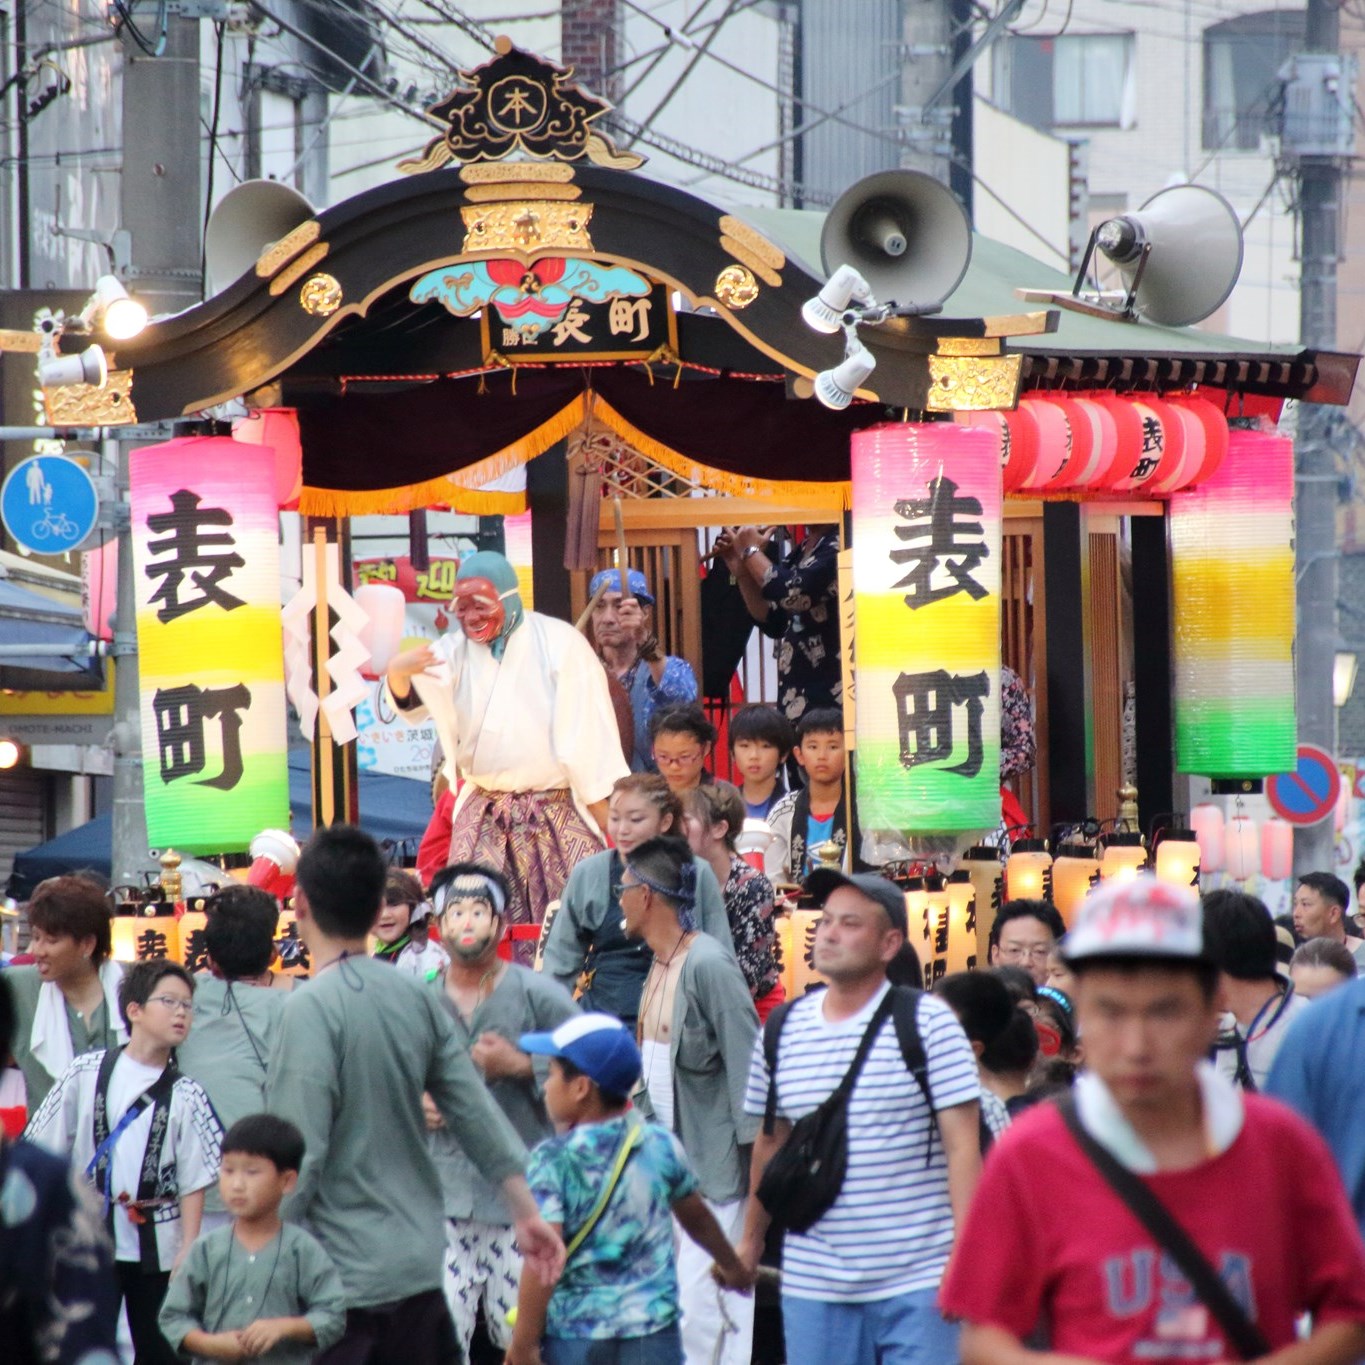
{"x":926,"y":580}
{"x":210,"y":652}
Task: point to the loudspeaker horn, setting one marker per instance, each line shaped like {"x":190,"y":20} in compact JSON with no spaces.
{"x":248,"y":219}
{"x":1194,"y":259}
{"x":904,"y":232}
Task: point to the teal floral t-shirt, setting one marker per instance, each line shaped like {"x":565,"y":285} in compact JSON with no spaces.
{"x":622,"y":1282}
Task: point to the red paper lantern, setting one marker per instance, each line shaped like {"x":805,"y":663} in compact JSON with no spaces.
{"x":1082,"y":449}
{"x":1180,"y":473}
{"x":1215,"y":435}
{"x":1054,"y":442}
{"x":279,"y":429}
{"x":1018,"y":434}
{"x":1092,"y":411}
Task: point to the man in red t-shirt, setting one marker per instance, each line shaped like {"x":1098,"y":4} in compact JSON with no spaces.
{"x":1049,"y":1248}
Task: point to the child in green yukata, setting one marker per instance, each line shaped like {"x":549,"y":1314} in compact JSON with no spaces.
{"x":617,"y":1300}
{"x":258,"y":1289}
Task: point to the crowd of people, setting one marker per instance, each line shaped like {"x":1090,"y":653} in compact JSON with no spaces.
{"x":621,"y":1143}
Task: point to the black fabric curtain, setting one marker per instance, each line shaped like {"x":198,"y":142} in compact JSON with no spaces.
{"x":746,"y":427}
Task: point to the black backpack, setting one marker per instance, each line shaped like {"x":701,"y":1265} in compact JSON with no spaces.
{"x":804,"y":1177}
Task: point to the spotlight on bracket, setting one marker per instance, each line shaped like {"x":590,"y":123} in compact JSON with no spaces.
{"x":86,"y":367}
{"x":825,"y":312}
{"x":112,"y":311}
{"x":835,"y":388}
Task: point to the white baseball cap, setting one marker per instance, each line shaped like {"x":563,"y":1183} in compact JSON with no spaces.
{"x":1138,"y":917}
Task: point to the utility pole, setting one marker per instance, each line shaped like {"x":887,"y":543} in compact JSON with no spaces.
{"x":161,"y":210}
{"x":925,"y":111}
{"x":1318,"y":91}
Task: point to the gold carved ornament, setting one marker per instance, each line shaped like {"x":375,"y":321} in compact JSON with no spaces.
{"x":83,"y":405}
{"x":526,"y":225}
{"x":321,"y":295}
{"x":735,"y":287}
{"x":519,"y":104}
{"x":973,"y":383}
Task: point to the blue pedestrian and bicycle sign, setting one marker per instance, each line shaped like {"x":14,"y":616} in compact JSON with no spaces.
{"x":49,"y":504}
{"x":1309,"y":794}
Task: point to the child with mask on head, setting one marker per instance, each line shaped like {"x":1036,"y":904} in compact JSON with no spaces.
{"x":492,"y":1003}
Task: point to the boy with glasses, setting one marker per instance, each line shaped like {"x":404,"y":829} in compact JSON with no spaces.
{"x":146,"y":1136}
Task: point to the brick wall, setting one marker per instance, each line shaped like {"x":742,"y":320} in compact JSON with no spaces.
{"x":589,"y":35}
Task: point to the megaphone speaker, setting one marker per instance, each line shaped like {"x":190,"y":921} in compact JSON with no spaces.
{"x":1195,"y":257}
{"x":248,"y":219}
{"x":904,"y":232}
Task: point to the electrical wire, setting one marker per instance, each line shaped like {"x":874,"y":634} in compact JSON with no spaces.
{"x":126,"y":23}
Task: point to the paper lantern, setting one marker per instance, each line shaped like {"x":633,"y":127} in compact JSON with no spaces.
{"x":1178,"y":856}
{"x":1206,"y":820}
{"x":981,"y":863}
{"x":99,"y":588}
{"x":277,"y":428}
{"x":1028,"y":871}
{"x":1075,"y":869}
{"x":1277,"y":849}
{"x":1232,"y":566}
{"x":1129,"y":439}
{"x":926,"y":577}
{"x":1098,"y":417}
{"x":210,"y":658}
{"x":516,"y":545}
{"x":1243,"y":848}
{"x":1217,"y":436}
{"x":1054,"y":442}
{"x":144,"y":938}
{"x":194,"y":956}
{"x":1017,"y":434}
{"x":1189,"y":454}
{"x":796,"y":937}
{"x":1124,"y":856}
{"x":385,"y":609}
{"x":936,"y":929}
{"x":1159,"y":447}
{"x":1081,"y":446}
{"x":961,"y":921}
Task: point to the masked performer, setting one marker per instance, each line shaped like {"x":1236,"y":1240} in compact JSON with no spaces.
{"x":522,"y":709}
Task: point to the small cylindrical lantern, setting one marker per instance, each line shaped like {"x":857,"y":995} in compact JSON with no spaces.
{"x":1124,"y":856}
{"x":1054,"y":442}
{"x":1206,"y":820}
{"x":277,"y":428}
{"x":981,"y":863}
{"x":1277,"y":849}
{"x":961,"y":931}
{"x":1243,"y":848}
{"x":1028,"y":871}
{"x":1178,"y":857}
{"x":1075,"y":870}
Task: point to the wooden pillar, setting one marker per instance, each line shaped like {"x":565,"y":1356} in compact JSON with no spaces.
{"x":547,"y":495}
{"x":1152,"y":675}
{"x":336,"y":774}
{"x":1068,"y":667}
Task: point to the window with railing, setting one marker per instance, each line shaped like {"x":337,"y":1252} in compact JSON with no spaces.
{"x":1242,"y":60}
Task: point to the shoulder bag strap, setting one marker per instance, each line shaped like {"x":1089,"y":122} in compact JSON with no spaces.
{"x":772,"y":1033}
{"x":1207,"y":1284}
{"x":874,"y":1027}
{"x":632,"y":1139}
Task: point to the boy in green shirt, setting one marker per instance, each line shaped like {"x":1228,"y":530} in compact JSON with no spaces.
{"x":256,"y":1289}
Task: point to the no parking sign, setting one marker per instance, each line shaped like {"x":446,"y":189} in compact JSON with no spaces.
{"x":1309,"y":794}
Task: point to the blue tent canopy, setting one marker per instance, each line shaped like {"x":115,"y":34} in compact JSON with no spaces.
{"x":395,"y":810}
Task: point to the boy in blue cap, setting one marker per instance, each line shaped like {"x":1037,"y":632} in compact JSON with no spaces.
{"x":609,"y":1182}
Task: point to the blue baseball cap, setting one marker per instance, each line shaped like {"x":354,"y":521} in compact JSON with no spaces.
{"x":639,"y":584}
{"x":599,"y":1045}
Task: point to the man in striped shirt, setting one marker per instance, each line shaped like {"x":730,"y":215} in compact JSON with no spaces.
{"x":859,"y":1286}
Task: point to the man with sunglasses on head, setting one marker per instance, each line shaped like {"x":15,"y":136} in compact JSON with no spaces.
{"x":520,"y":702}
{"x":491,"y":1002}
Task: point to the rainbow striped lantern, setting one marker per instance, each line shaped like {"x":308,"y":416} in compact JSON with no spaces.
{"x":926,"y":578}
{"x":1232,"y":544}
{"x":206,"y":558}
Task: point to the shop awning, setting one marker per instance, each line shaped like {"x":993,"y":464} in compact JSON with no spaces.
{"x":44,"y":645}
